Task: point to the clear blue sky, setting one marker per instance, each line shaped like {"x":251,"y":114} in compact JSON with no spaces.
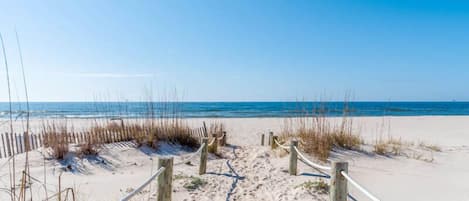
{"x":238,"y":50}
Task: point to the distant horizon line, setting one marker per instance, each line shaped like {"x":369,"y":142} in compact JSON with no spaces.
{"x":250,"y":101}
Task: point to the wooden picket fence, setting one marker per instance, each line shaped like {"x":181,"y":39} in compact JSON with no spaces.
{"x":17,"y":143}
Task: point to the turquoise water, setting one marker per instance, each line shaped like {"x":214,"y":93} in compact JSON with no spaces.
{"x":230,"y":109}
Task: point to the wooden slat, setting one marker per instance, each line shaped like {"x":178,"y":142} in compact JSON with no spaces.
{"x":8,"y":144}
{"x":82,"y":135}
{"x":109,"y":135}
{"x":14,"y":143}
{"x":127,"y":133}
{"x":87,"y":137}
{"x":41,"y":140}
{"x":73,"y":137}
{"x":114,"y":135}
{"x":12,"y":139}
{"x":3,"y":145}
{"x":36,"y":142}
{"x":27,"y":142}
{"x":21,"y":139}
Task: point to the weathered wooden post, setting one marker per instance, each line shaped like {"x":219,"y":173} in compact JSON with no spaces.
{"x":205,"y":130}
{"x":262,"y":139}
{"x":273,"y":145}
{"x":214,"y":147}
{"x":165,"y":179}
{"x":203,"y":156}
{"x":293,"y":157}
{"x":271,"y":136}
{"x":223,"y":138}
{"x":338,"y":186}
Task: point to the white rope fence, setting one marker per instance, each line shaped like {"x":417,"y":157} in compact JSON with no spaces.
{"x":286,"y":147}
{"x":310,"y":163}
{"x":359,"y":187}
{"x":343,"y":173}
{"x":165,"y":165}
{"x":148,"y":181}
{"x":190,"y":156}
{"x":211,"y":143}
{"x":221,"y":137}
{"x":335,"y":171}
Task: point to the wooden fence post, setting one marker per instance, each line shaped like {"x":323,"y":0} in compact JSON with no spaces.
{"x":203,"y":156}
{"x":205,"y":130}
{"x":273,"y":145}
{"x":271,"y":136}
{"x":165,"y":179}
{"x":293,"y":157}
{"x":223,"y":139}
{"x":262,"y":139}
{"x":338,"y":186}
{"x":214,"y":147}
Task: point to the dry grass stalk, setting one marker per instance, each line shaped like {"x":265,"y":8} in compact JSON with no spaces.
{"x":319,"y":134}
{"x":92,"y":144}
{"x":388,"y":146}
{"x":55,"y":137}
{"x":432,"y":147}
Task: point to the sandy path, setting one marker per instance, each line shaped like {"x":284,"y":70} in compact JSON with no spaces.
{"x":253,"y":173}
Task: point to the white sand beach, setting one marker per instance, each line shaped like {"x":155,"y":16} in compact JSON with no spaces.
{"x":259,"y":173}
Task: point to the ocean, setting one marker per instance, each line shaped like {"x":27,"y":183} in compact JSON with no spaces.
{"x":230,"y":109}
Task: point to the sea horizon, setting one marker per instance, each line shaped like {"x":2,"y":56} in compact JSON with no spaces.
{"x":233,"y":109}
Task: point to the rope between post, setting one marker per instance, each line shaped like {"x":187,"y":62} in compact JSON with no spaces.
{"x":287,"y":147}
{"x":134,"y":192}
{"x":191,"y":155}
{"x":211,"y":143}
{"x":220,"y":138}
{"x":308,"y":162}
{"x":359,"y":187}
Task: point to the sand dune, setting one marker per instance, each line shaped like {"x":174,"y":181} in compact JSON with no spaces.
{"x":247,"y":171}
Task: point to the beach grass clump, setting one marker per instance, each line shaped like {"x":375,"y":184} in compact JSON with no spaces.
{"x":389,"y":146}
{"x":55,"y":137}
{"x":149,"y":132}
{"x":432,"y":147}
{"x":194,"y":183}
{"x":319,"y":186}
{"x":216,"y":127}
{"x":91,"y":146}
{"x":319,"y":135}
{"x":177,"y":131}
